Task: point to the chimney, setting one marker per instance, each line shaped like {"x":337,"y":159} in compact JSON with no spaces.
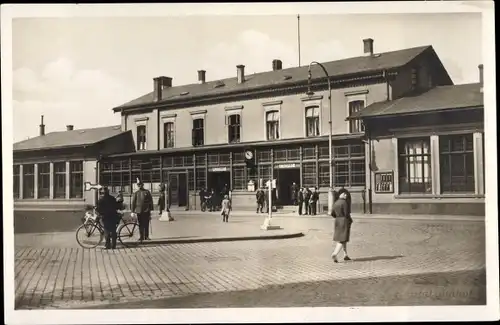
{"x":160,"y":83}
{"x":277,"y":65}
{"x":480,"y":77}
{"x":69,"y":127}
{"x":241,"y":73}
{"x":201,"y":76}
{"x":42,"y":127}
{"x":368,"y":46}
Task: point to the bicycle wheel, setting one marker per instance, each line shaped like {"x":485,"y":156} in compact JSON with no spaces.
{"x":89,"y":235}
{"x":128,"y":233}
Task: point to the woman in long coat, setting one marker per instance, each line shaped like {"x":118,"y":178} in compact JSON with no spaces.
{"x":161,"y":199}
{"x":343,"y":222}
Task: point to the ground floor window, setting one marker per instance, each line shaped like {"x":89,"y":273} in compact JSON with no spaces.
{"x":349,"y":166}
{"x":414,"y":160}
{"x":76,"y":179}
{"x":309,"y":175}
{"x":44,"y":181}
{"x":29,"y":181}
{"x":265,"y":172}
{"x":239,"y":178}
{"x":456,"y":162}
{"x":16,"y":179}
{"x":201,"y":178}
{"x":60,"y":180}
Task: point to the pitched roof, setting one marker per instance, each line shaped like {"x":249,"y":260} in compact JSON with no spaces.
{"x":350,"y":66}
{"x":64,"y":139}
{"x":436,"y":99}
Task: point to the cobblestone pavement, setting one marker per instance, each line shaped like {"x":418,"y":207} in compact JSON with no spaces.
{"x":55,"y":277}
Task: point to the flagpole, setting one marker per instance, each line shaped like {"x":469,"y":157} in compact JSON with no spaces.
{"x":298,"y":35}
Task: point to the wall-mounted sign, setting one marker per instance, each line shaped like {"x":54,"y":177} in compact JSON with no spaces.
{"x":384,"y":182}
{"x":284,"y":166}
{"x":218,"y":169}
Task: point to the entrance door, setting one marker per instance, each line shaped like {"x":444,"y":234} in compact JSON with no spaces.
{"x":182,"y":194}
{"x":178,"y":195}
{"x":217,"y":181}
{"x":173,"y":193}
{"x":284,"y":180}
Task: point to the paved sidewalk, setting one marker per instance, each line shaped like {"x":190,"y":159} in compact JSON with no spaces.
{"x":399,"y":253}
{"x":184,"y":229}
{"x":281,"y":214}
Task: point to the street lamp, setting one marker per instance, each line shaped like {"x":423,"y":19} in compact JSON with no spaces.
{"x":310,"y":93}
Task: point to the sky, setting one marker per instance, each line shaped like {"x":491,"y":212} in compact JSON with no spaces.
{"x":75,"y":70}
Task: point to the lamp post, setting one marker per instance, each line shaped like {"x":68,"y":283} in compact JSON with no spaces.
{"x":310,"y":93}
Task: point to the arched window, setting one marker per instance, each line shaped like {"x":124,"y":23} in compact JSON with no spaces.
{"x":312,"y":121}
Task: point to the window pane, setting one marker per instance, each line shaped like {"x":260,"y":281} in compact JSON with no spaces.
{"x":201,"y":178}
{"x":324,"y":174}
{"x":308,"y":153}
{"x":43,"y":181}
{"x":76,"y":179}
{"x":60,"y":180}
{"x":414,"y":166}
{"x":309,"y":174}
{"x":239,"y":178}
{"x":457,"y":163}
{"x":16,"y":181}
{"x":28,"y":181}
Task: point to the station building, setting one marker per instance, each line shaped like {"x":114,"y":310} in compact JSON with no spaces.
{"x":50,"y":170}
{"x":397,"y":119}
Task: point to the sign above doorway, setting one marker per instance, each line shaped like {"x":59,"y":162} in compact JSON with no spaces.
{"x":285,"y":166}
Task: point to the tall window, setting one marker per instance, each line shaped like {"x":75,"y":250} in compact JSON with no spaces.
{"x":312,"y":121}
{"x":239,"y":178}
{"x":234,"y":128}
{"x":76,"y":179}
{"x":414,"y":158}
{"x":273,"y":125}
{"x":59,"y":180}
{"x":356,"y":126}
{"x":349,"y":165}
{"x":456,"y":161}
{"x":29,"y":181}
{"x":309,"y":174}
{"x":141,"y":137}
{"x":16,"y":181}
{"x":43,"y":181}
{"x":168,"y":135}
{"x":198,"y":132}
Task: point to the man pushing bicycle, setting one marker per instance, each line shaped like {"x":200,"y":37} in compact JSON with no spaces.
{"x":108,"y":207}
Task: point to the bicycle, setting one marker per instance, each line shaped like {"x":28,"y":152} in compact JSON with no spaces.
{"x":91,"y":233}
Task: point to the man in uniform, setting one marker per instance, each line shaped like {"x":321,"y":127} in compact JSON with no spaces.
{"x":142,"y":205}
{"x":107,"y":207}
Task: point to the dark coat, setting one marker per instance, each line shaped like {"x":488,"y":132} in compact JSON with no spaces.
{"x":161,"y":201}
{"x":348,"y":199}
{"x":295,"y":190}
{"x":343,"y":221}
{"x":107,"y":208}
{"x":301,"y":196}
{"x":142,"y":202}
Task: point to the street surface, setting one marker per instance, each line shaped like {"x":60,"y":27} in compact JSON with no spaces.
{"x":395,"y":262}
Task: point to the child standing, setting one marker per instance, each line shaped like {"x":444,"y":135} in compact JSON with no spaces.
{"x":226,"y":208}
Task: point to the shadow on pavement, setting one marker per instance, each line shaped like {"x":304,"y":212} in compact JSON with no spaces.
{"x":376,"y":258}
{"x":463,"y":288}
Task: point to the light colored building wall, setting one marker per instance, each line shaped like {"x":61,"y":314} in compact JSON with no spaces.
{"x":253,"y":116}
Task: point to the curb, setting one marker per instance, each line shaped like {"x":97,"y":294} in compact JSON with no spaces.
{"x":217,"y":239}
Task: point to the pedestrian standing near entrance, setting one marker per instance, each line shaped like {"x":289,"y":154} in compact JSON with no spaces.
{"x":307,"y":199}
{"x":260,"y":199}
{"x":202,"y":195}
{"x":342,"y":230}
{"x":295,"y":192}
{"x":225,"y":208}
{"x":300,"y":200}
{"x":161,"y":200}
{"x":142,"y":205}
{"x":108,"y":209}
{"x":314,"y":201}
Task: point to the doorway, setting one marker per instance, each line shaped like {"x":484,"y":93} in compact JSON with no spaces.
{"x":217,"y":180}
{"x":177,"y":194}
{"x":284,"y":180}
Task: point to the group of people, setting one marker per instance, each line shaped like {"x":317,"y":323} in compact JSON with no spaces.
{"x":212,"y":200}
{"x":109,"y":208}
{"x":305,"y":199}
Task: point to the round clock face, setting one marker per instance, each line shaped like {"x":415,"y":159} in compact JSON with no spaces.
{"x":248,"y":154}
